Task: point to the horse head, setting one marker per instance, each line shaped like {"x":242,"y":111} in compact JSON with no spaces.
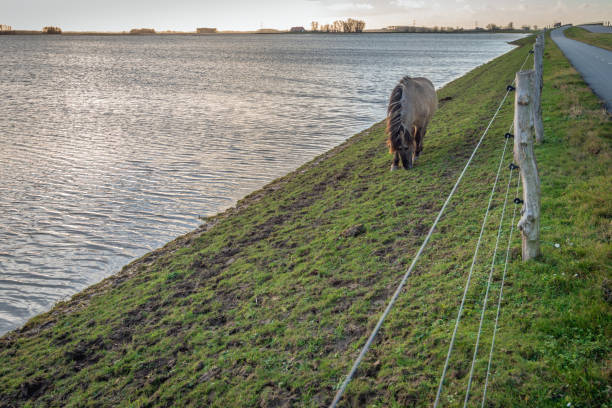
{"x":407,"y":152}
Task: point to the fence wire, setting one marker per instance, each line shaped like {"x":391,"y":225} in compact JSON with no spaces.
{"x":501,"y":294}
{"x":486,"y":296}
{"x":469,"y":278}
{"x":402,"y":283}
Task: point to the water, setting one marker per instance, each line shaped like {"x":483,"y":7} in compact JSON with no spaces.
{"x":112,"y":146}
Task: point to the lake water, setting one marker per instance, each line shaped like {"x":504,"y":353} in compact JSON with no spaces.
{"x":112,"y":146}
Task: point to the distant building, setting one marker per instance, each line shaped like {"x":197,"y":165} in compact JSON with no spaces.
{"x":4,"y":27}
{"x":557,"y":25}
{"x":298,"y":30}
{"x":142,"y":31}
{"x":409,"y":29}
{"x":400,"y":28}
{"x":204,"y":30}
{"x":52,"y":30}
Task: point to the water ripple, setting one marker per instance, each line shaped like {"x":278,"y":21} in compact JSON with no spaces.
{"x":112,"y":146}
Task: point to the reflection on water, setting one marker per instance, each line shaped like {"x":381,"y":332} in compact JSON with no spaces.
{"x":112,"y":146}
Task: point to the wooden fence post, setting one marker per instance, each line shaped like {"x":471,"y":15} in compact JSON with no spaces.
{"x":538,"y":51}
{"x":529,"y":224}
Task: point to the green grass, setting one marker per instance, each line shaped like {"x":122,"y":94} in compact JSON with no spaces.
{"x":602,"y":40}
{"x":269,"y":303}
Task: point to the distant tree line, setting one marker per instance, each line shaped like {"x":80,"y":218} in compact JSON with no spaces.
{"x":142,"y":31}
{"x":52,"y":30}
{"x":417,"y":29}
{"x":510,"y":26}
{"x":339,"y":26}
{"x":442,"y":29}
{"x":206,"y":30}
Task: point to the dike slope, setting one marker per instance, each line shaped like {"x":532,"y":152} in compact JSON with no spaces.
{"x":602,"y":40}
{"x":268,"y":304}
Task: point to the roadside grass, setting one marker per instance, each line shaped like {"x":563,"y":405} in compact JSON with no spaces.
{"x":601,"y":40}
{"x":269,"y":303}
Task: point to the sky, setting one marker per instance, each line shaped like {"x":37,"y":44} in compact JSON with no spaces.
{"x":186,"y":15}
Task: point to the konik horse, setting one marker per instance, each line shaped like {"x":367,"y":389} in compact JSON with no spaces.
{"x":411,"y":106}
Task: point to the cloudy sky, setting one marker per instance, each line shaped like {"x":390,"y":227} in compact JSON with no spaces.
{"x":185,"y":15}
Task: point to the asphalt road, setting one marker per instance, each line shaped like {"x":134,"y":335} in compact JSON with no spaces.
{"x":593,"y":63}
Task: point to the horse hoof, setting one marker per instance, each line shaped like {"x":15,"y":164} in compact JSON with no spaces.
{"x":394,"y":167}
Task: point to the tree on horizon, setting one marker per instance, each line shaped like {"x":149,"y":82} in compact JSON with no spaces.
{"x":340,"y":26}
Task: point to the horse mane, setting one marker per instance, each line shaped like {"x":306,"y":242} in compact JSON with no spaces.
{"x":395,"y":129}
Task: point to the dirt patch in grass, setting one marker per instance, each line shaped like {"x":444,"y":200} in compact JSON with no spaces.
{"x":34,"y":388}
{"x":86,"y":352}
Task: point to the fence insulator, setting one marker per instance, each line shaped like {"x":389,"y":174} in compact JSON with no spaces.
{"x":529,"y":224}
{"x":510,"y":88}
{"x":508,"y":135}
{"x":513,"y":166}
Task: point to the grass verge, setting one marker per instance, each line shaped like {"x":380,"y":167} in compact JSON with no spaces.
{"x":268,"y":304}
{"x":601,"y":40}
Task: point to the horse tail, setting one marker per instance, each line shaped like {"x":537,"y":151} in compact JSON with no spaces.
{"x":395,"y":129}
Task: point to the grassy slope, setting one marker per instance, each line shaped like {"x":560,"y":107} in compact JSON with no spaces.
{"x":597,"y":39}
{"x":269,"y":304}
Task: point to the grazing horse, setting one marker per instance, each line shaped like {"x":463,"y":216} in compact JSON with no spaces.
{"x":411,"y":106}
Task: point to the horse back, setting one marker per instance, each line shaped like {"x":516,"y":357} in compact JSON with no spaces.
{"x":419,"y":100}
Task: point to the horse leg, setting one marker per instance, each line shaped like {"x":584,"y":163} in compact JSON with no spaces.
{"x":396,"y":159}
{"x":419,"y":140}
